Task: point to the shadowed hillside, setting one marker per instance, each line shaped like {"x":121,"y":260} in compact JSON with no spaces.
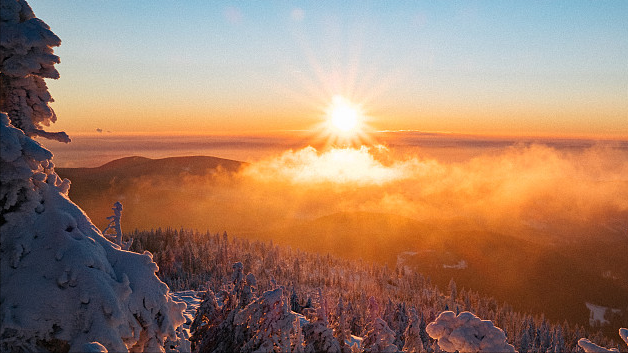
{"x":555,"y":279}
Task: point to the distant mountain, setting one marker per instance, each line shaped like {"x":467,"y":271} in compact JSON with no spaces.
{"x":87,"y":181}
{"x":132,"y":167}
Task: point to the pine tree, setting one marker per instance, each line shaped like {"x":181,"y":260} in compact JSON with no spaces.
{"x":340,"y":326}
{"x":379,"y":338}
{"x":319,"y":337}
{"x":412,"y":335}
{"x":26,"y":59}
{"x":83,"y":291}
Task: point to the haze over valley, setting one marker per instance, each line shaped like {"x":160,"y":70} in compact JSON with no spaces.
{"x":542,"y":224}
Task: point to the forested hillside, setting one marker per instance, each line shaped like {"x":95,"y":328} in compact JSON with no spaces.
{"x":309,"y":282}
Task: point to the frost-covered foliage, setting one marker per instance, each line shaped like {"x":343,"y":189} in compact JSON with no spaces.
{"x":340,"y":326}
{"x":590,"y":347}
{"x":26,"y":59}
{"x":194,"y":260}
{"x":318,"y":335}
{"x":412,"y":336}
{"x":63,"y":284}
{"x":467,"y":333}
{"x":243,"y":322}
{"x":379,"y":338}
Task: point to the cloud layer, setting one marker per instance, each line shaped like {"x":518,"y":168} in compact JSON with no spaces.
{"x":519,"y":190}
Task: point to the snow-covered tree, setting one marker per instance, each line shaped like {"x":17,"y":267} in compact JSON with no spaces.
{"x":340,"y":327}
{"x":318,"y":336}
{"x":207,"y":315}
{"x":467,"y":333}
{"x":115,"y":228}
{"x":64,"y":285}
{"x":453,"y":294}
{"x":63,"y":282}
{"x":590,"y":347}
{"x":379,"y":338}
{"x":297,"y":339}
{"x":269,"y":322}
{"x":412,"y":335}
{"x":26,"y":59}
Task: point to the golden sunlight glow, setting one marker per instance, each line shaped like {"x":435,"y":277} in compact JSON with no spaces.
{"x":344,"y":123}
{"x":344,"y":117}
{"x":339,"y":166}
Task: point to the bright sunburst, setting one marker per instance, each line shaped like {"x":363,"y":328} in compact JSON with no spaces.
{"x":345,"y":122}
{"x":343,"y":116}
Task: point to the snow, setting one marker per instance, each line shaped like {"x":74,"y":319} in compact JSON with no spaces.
{"x":597,"y":314}
{"x":623,"y":333}
{"x":590,"y":347}
{"x":460,"y":265}
{"x":26,"y":58}
{"x":354,"y":341}
{"x":192,"y":299}
{"x":467,"y":333}
{"x":63,"y":282}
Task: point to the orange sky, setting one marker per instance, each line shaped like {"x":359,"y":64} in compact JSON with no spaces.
{"x":552,"y":69}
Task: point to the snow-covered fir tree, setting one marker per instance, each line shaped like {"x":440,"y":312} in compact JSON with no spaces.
{"x":64,"y":285}
{"x":318,"y":335}
{"x":378,"y":337}
{"x":26,"y":59}
{"x":467,"y":333}
{"x":412,"y":336}
{"x":340,"y":326}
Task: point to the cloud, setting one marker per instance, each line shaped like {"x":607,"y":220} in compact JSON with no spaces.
{"x":348,"y":166}
{"x":522,"y":184}
{"x":523,"y":190}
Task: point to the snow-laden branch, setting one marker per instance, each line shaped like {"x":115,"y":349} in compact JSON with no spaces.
{"x":26,"y":59}
{"x":590,"y":347}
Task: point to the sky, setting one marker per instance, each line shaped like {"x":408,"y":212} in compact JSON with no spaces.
{"x":551,"y":68}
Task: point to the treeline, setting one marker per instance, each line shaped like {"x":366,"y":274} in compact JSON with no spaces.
{"x":200,"y":261}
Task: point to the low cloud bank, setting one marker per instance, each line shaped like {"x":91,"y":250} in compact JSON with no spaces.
{"x":516,"y":189}
{"x":533,"y":186}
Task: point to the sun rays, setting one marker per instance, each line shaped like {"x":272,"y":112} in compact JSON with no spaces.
{"x":344,"y":124}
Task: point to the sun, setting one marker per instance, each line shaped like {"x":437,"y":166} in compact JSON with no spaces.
{"x":343,"y":116}
{"x":343,"y":124}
